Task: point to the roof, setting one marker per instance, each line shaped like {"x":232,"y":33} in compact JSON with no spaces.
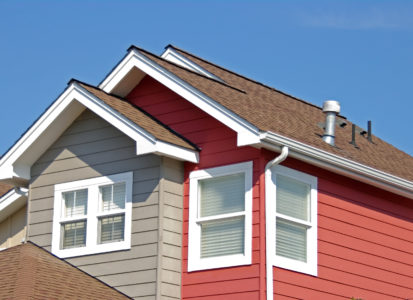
{"x":271,"y":110}
{"x":30,"y":272}
{"x":4,"y":188}
{"x":139,"y":117}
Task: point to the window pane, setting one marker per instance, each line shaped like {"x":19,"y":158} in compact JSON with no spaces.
{"x":225,"y":194}
{"x":112,"y":228}
{"x":291,"y":240}
{"x":222,"y":237}
{"x":113,"y":196}
{"x":293,"y":198}
{"x":75,"y":203}
{"x":74,"y":234}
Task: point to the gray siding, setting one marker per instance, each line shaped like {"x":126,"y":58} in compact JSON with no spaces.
{"x":89,"y":148}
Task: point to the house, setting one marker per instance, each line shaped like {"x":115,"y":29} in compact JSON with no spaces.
{"x":178,"y":179}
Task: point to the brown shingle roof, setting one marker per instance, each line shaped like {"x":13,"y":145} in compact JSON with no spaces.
{"x":139,"y":117}
{"x":271,"y":110}
{"x":4,"y":188}
{"x":30,"y":272}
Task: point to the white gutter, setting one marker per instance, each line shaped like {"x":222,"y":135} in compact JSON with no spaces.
{"x":269,"y":263}
{"x":338,"y":164}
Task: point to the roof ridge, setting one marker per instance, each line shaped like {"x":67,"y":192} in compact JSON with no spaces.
{"x":142,"y":111}
{"x":244,"y":77}
{"x":183,"y":68}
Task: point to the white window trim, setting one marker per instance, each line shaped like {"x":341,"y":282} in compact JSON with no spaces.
{"x":309,"y":267}
{"x":195,"y":262}
{"x":92,"y":246}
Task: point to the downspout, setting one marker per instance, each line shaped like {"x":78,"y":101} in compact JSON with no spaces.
{"x":270,"y":285}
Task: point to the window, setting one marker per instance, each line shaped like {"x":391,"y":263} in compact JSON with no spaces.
{"x":291,"y":198}
{"x":92,"y":215}
{"x":220,"y":207}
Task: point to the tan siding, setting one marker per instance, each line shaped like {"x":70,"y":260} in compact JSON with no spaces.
{"x":170,"y":255}
{"x":89,"y":148}
{"x":13,"y":229}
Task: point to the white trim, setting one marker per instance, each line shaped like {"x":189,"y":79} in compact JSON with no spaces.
{"x":11,"y":202}
{"x":250,"y":135}
{"x":171,"y":55}
{"x":309,"y":267}
{"x":18,"y":160}
{"x":339,"y":164}
{"x":92,"y":185}
{"x":247,"y":133}
{"x":194,"y":260}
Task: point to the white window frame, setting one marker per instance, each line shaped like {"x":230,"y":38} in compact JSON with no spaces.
{"x":93,"y":215}
{"x":195,"y":262}
{"x":310,"y":266}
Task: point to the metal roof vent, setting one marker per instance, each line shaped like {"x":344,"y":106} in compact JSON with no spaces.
{"x":331,"y":108}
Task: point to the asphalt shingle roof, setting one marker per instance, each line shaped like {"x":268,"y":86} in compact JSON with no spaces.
{"x":30,"y":272}
{"x":271,"y":110}
{"x":4,"y":188}
{"x":139,"y":117}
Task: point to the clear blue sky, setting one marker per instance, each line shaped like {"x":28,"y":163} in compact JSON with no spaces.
{"x":357,"y":52}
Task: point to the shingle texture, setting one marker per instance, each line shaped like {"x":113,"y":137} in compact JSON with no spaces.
{"x":4,"y":188}
{"x":29,"y":272}
{"x":139,"y":117}
{"x":271,"y":110}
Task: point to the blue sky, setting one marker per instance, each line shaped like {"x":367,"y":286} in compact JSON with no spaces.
{"x":359,"y":53}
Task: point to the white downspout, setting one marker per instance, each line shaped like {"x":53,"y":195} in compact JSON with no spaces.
{"x":270,"y":286}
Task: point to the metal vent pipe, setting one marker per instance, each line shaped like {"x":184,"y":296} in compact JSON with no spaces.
{"x":331,"y":108}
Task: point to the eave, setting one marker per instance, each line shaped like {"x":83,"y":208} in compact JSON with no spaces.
{"x":16,"y":163}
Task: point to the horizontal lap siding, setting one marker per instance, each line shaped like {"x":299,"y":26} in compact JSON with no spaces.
{"x":89,"y":148}
{"x":365,"y":244}
{"x":218,"y":144}
{"x":365,"y":235}
{"x":170,"y":226}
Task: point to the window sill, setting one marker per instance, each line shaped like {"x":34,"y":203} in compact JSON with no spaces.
{"x":96,"y":249}
{"x":219,"y":262}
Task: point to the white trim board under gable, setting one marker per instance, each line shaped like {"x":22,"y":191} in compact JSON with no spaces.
{"x":171,"y":55}
{"x":16,"y":163}
{"x":247,"y":134}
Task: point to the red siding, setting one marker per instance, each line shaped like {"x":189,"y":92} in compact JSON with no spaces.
{"x":365,"y":235}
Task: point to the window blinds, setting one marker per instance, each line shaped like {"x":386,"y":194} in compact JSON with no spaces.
{"x":75,"y":203}
{"x":74,"y":234}
{"x":222,"y":237}
{"x":112,"y":228}
{"x":218,"y":196}
{"x":113,"y":196}
{"x":222,"y":195}
{"x":293,"y":200}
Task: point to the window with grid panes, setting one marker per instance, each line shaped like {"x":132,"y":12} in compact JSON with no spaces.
{"x":92,"y":215}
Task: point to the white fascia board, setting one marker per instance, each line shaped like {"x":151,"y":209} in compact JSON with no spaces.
{"x":247,"y":134}
{"x":16,"y":163}
{"x":7,"y":162}
{"x":175,"y":57}
{"x":340,"y":165}
{"x":176,"y":152}
{"x":11,"y":202}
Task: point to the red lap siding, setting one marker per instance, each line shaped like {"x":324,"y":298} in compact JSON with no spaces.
{"x":365,"y":235}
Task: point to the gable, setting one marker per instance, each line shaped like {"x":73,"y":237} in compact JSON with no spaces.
{"x":265,"y":117}
{"x":149,"y":135}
